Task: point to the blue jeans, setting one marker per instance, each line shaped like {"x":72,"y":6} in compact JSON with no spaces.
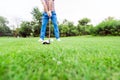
{"x":45,"y":19}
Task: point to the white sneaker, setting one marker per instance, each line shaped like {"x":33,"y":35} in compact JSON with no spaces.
{"x":58,"y":39}
{"x":40,"y":40}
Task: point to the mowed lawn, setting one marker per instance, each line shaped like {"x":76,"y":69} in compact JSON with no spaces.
{"x":73,"y":58}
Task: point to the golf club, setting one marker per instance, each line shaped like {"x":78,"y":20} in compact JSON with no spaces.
{"x":48,"y":41}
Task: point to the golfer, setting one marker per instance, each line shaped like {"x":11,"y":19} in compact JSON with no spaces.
{"x":49,"y":12}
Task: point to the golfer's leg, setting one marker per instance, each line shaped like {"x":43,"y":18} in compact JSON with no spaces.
{"x":54,"y":21}
{"x":44,"y":24}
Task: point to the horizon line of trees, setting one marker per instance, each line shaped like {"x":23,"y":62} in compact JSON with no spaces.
{"x":109,"y":26}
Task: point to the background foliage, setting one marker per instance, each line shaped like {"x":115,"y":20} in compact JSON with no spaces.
{"x":109,"y":26}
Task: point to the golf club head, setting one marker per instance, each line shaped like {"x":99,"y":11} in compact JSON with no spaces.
{"x":46,"y":42}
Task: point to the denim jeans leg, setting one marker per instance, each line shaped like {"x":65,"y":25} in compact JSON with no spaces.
{"x":54,"y":21}
{"x":44,"y":24}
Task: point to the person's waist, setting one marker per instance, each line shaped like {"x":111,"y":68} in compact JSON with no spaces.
{"x":51,"y":11}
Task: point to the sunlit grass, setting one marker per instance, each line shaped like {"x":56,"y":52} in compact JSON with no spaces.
{"x":73,"y":58}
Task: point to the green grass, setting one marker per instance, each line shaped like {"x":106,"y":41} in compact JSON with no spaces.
{"x":74,"y":58}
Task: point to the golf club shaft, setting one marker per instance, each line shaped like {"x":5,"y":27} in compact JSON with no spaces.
{"x":49,"y":28}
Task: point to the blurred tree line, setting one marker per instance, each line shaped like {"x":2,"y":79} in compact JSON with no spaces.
{"x":109,"y":26}
{"x":4,"y":29}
